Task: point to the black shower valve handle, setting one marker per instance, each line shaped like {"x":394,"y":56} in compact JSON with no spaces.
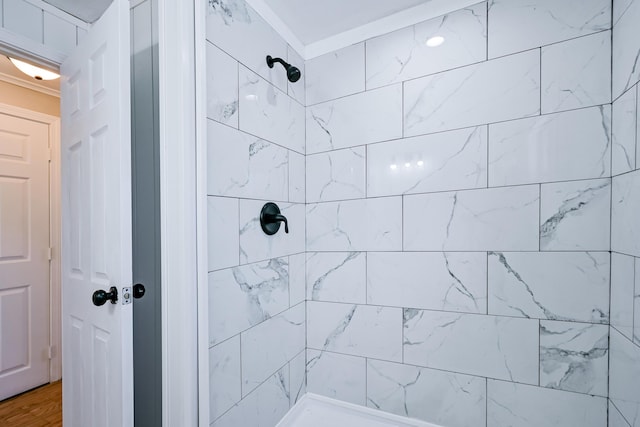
{"x":270,"y":219}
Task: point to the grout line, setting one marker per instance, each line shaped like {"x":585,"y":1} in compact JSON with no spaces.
{"x":540,"y":81}
{"x":460,"y":313}
{"x":427,"y":368}
{"x":462,"y":127}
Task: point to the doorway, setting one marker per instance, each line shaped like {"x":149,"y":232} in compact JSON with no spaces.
{"x":29,"y":233}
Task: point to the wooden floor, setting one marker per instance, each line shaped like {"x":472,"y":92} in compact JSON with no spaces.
{"x":41,"y":407}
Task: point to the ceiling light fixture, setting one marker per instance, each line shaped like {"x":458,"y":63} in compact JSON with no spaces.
{"x":435,"y":41}
{"x":33,"y":71}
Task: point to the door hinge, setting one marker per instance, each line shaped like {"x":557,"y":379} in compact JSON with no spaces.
{"x":49,"y":154}
{"x":52,"y":352}
{"x":50,"y":253}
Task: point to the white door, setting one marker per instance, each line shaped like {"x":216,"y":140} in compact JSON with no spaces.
{"x":97,"y":345}
{"x":24,"y":260}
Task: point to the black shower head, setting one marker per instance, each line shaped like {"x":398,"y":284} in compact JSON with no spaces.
{"x":293,"y":73}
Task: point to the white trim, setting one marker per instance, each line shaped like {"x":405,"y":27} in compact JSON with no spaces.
{"x":28,"y":85}
{"x":55,"y":302}
{"x":201,"y":222}
{"x":22,"y":47}
{"x":313,"y":404}
{"x":272,"y":18}
{"x":402,"y":19}
{"x":178,"y":208}
{"x":60,"y":14}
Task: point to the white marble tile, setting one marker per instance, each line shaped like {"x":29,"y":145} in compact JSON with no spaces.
{"x":625,"y":221}
{"x":577,"y":73}
{"x":623,"y":133}
{"x":444,"y":161}
{"x":297,"y":178}
{"x":241,"y":165}
{"x":241,"y":297}
{"x":231,"y":23}
{"x":626,"y":48}
{"x":404,"y":54}
{"x":624,"y":377}
{"x":501,"y":89}
{"x":364,"y":118}
{"x":337,"y":376}
{"x":270,"y":345}
{"x":337,"y":277}
{"x":297,"y":279}
{"x":336,"y":74}
{"x":619,"y":7}
{"x":454,"y":281}
{"x":255,"y":245}
{"x":224,"y":377}
{"x":264,"y":407}
{"x":443,"y":398}
{"x":571,"y":286}
{"x":336,"y":175}
{"x":488,"y":346}
{"x":519,"y":405}
{"x":636,"y":326}
{"x":357,"y":225}
{"x":269,"y":113}
{"x":518,"y":25}
{"x":296,"y":90}
{"x":638,"y":126}
{"x":474,"y":220}
{"x":574,"y":357}
{"x":298,"y":377}
{"x":358,"y":330}
{"x":622,"y":293}
{"x":575,"y":215}
{"x":615,"y":417}
{"x":544,"y":149}
{"x":223,"y":232}
{"x":222,"y":87}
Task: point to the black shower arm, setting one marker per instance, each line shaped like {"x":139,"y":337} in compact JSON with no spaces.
{"x":271,"y":61}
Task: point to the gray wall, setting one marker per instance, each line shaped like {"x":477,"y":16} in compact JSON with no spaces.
{"x":146,"y":215}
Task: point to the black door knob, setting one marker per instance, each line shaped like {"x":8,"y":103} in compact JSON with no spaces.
{"x":100,"y":297}
{"x":138,"y":290}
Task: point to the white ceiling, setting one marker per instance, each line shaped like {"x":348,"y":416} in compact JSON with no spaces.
{"x":314,"y":20}
{"x":316,"y":27}
{"x":86,"y":10}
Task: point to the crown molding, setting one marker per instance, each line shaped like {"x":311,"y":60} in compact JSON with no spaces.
{"x":388,"y":24}
{"x":28,"y":85}
{"x":262,"y":9}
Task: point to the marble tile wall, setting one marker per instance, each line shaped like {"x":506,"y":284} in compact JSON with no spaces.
{"x":256,"y":153}
{"x":624,"y":375}
{"x":465,"y":237}
{"x":459,"y":211}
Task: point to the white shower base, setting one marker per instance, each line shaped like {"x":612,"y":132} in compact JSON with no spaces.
{"x":319,"y":411}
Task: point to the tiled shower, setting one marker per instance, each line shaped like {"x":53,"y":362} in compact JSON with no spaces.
{"x":464,"y":219}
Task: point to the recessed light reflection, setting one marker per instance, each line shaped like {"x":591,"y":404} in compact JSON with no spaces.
{"x":435,"y":41}
{"x":251,"y":97}
{"x":407,"y":165}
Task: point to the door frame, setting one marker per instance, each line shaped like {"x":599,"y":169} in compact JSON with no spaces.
{"x":55,"y":285}
{"x":183,"y":218}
